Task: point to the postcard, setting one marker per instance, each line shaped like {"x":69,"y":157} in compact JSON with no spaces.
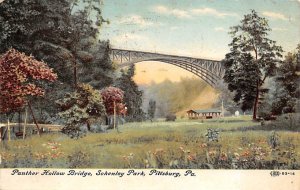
{"x":140,"y":94}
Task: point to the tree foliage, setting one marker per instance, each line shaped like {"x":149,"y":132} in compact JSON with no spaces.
{"x":151,"y":109}
{"x":84,"y":106}
{"x":225,"y":98}
{"x":41,"y":28}
{"x":113,"y":100}
{"x":19,"y":77}
{"x":287,"y":89}
{"x":65,"y":35}
{"x":253,"y":57}
{"x":132,"y":95}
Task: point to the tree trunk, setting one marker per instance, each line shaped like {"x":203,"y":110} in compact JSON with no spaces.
{"x":8,"y":129}
{"x":75,"y":75}
{"x":88,"y":125}
{"x":256,"y":101}
{"x":19,"y":112}
{"x":75,"y":69}
{"x":114,"y":115}
{"x":34,"y":120}
{"x":25,"y":123}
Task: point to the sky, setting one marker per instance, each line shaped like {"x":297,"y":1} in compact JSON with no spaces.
{"x":196,"y":28}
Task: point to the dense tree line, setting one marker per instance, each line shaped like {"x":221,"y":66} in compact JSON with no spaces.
{"x":132,"y":95}
{"x":62,"y":34}
{"x":65,"y":35}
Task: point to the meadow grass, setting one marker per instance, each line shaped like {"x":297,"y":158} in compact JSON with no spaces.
{"x":153,"y":144}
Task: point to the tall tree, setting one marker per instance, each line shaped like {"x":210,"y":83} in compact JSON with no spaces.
{"x":132,"y":95}
{"x":151,"y":109}
{"x":113,"y":99}
{"x":287,"y":91}
{"x":20,"y":76}
{"x":253,"y":57}
{"x":62,"y":33}
{"x":112,"y":95}
{"x":41,"y":28}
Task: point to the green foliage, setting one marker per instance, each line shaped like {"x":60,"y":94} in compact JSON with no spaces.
{"x":212,"y":135}
{"x":132,"y":95}
{"x":252,"y":58}
{"x":274,"y":140}
{"x":84,"y":106}
{"x":40,"y":28}
{"x":290,"y":121}
{"x":226,"y":98}
{"x":100,"y":70}
{"x":151,"y":109}
{"x":287,"y":91}
{"x":65,"y":35}
{"x":170,"y":117}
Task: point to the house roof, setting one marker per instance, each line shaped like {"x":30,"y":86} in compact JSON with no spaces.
{"x":206,"y":111}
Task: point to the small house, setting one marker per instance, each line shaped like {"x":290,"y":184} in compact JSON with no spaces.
{"x":204,"y":114}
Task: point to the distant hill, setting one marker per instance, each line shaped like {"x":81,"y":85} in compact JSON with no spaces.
{"x":204,"y":100}
{"x":174,"y":89}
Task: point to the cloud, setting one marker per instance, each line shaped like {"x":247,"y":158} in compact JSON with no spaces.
{"x":127,"y":37}
{"x":275,"y":15}
{"x":212,"y":12}
{"x":179,"y":13}
{"x":220,"y":29}
{"x":296,"y":1}
{"x":135,"y":20}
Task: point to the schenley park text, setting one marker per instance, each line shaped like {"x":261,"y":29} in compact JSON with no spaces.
{"x":117,"y":173}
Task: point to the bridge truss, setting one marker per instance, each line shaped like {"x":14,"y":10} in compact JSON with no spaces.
{"x":210,"y":71}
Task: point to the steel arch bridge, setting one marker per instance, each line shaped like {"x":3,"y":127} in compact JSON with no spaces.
{"x":210,"y":71}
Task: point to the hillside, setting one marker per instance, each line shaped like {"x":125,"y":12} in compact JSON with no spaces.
{"x":174,"y":89}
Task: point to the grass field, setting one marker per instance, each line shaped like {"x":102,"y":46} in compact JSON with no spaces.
{"x":160,"y":144}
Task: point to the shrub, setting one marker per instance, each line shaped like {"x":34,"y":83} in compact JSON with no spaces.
{"x":274,"y":140}
{"x":290,"y":121}
{"x":84,"y":106}
{"x":171,"y":117}
{"x":212,"y":135}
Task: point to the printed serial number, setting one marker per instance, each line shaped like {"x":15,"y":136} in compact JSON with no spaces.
{"x":278,"y":173}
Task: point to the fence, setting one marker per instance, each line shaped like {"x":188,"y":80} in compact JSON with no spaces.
{"x":16,"y":130}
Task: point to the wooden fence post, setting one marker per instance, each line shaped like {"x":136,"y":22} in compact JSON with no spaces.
{"x":34,"y":120}
{"x":25,"y":123}
{"x":8,"y":128}
{"x":114,"y":115}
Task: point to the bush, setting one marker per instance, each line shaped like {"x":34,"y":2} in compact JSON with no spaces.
{"x":83,"y":107}
{"x":171,"y":117}
{"x":290,"y":121}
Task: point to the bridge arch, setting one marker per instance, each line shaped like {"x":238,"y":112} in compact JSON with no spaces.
{"x":208,"y":70}
{"x":199,"y":72}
